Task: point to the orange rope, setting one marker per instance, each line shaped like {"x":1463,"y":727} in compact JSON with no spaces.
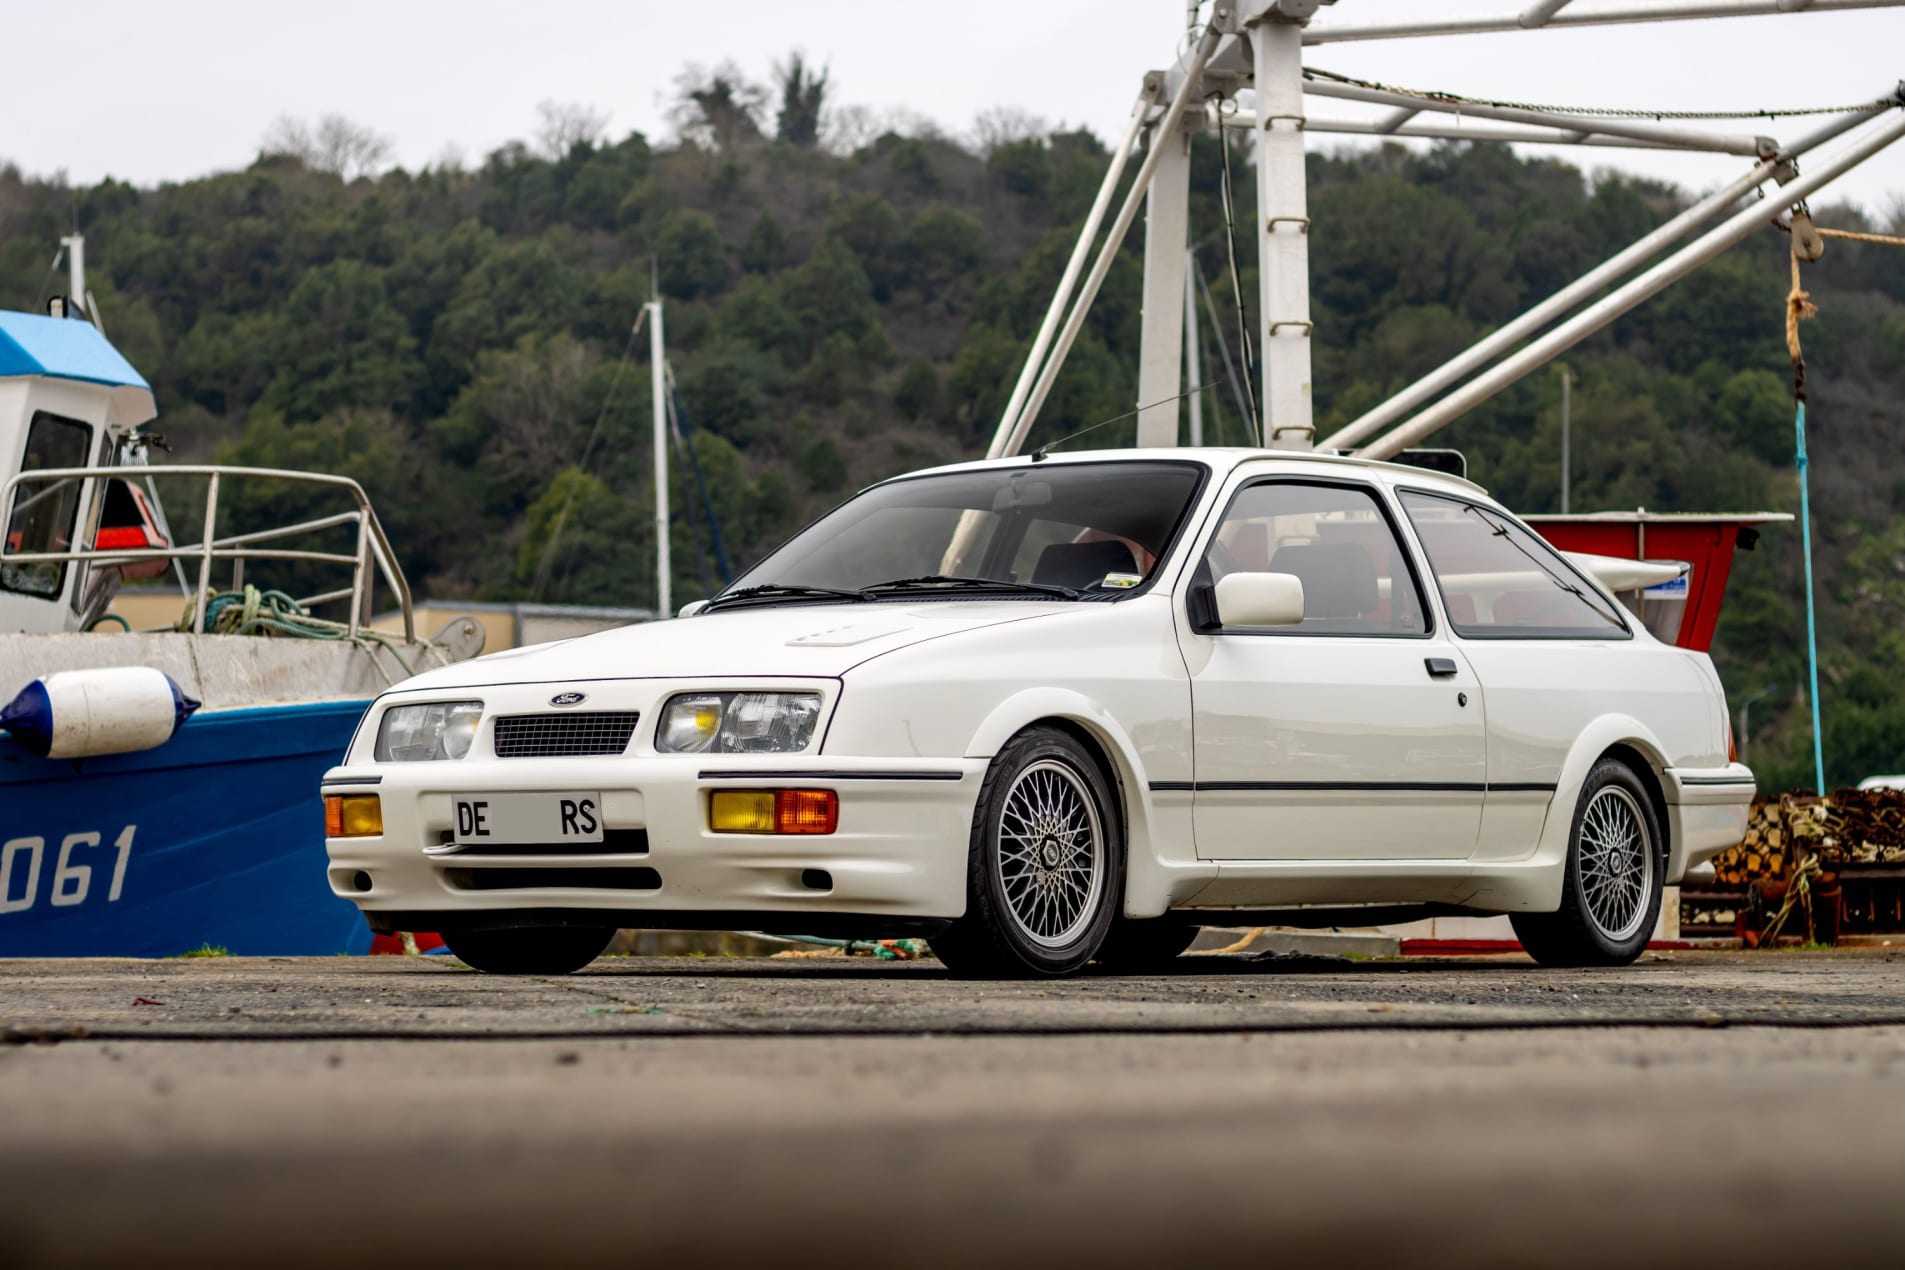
{"x":1854,"y":236}
{"x":1799,"y":306}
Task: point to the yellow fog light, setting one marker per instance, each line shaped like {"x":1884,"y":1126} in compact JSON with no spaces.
{"x":353,"y":816}
{"x":741,"y":811}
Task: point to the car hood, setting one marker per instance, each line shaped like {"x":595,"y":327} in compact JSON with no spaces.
{"x":784,"y":641}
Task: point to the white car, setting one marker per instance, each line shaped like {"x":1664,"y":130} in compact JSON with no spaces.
{"x":1055,"y":709}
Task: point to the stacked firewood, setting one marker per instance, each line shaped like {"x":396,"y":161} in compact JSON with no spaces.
{"x":1849,"y":827}
{"x":1763,"y":853}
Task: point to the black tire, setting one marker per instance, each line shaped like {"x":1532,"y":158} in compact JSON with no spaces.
{"x":1028,"y":914}
{"x":1610,"y":896}
{"x":1146,"y":946}
{"x":529,"y":950}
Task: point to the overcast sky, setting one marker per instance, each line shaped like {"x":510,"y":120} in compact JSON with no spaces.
{"x":151,"y":93}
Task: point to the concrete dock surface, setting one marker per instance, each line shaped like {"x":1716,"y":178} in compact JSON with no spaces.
{"x":1694,"y":1109}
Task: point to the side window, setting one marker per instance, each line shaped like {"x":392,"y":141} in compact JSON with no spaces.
{"x":1338,"y":540}
{"x":44,"y":514}
{"x":1499,"y":580}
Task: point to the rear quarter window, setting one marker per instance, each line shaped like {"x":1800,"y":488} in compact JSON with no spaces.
{"x":1501,"y":580}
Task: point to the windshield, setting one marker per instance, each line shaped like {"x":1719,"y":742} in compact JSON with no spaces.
{"x":1051,"y":530}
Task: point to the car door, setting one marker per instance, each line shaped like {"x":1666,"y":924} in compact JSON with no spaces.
{"x":1548,"y":647}
{"x":1356,"y":734}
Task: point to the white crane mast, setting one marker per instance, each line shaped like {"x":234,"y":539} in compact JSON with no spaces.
{"x":1259,"y":44}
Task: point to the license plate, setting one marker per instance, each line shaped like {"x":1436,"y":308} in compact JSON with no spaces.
{"x":521,"y":819}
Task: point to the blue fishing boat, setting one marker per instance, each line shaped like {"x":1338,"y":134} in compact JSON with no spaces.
{"x":157,"y":788}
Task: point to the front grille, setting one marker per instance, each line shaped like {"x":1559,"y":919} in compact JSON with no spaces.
{"x":564,"y":735}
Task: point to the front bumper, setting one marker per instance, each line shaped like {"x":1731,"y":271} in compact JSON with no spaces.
{"x":898,"y":857}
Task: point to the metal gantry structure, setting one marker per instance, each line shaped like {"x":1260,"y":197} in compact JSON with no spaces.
{"x":1259,"y":45}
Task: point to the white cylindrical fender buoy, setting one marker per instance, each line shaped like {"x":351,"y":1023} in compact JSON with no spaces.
{"x":112,"y":710}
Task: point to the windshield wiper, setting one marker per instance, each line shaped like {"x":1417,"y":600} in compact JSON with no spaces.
{"x":936,"y":582}
{"x":787,"y":591}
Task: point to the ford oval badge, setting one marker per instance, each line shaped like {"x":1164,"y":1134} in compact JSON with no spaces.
{"x":568,"y":698}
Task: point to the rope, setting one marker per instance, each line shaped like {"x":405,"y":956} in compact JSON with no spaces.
{"x":1851,"y":235}
{"x":273,"y":613}
{"x":1248,"y":353}
{"x":884,"y":949}
{"x":548,"y":560}
{"x":1798,"y":894}
{"x":1799,"y":307}
{"x":1597,"y":112}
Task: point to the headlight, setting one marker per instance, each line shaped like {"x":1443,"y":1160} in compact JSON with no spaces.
{"x":738,"y":723}
{"x":441,"y":729}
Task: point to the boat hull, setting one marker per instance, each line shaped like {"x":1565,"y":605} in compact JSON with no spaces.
{"x":215,"y":838}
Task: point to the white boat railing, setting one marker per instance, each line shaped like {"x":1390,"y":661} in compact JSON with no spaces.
{"x":372,"y":546}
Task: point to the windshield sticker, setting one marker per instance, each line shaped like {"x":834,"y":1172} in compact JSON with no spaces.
{"x":1121,"y":581}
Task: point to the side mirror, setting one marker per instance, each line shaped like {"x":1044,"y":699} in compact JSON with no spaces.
{"x":1260,"y":599}
{"x":691,"y":608}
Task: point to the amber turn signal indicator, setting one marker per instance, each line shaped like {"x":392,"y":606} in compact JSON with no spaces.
{"x":353,"y":816}
{"x":779,"y":811}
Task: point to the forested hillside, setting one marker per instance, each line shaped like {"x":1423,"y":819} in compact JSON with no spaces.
{"x":454,"y":337}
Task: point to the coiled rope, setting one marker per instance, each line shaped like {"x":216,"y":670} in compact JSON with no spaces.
{"x":274,"y":613}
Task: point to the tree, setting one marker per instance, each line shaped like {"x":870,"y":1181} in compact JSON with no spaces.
{"x":338,"y":341}
{"x":336,"y":145}
{"x":717,"y":109}
{"x":917,"y":396}
{"x":562,"y":126}
{"x":766,"y":247}
{"x":692,"y":258}
{"x":1004,"y":125}
{"x":803,"y":94}
{"x":944,"y":244}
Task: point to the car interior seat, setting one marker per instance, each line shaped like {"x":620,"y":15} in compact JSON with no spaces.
{"x":1081,"y":564}
{"x":1339,"y":580}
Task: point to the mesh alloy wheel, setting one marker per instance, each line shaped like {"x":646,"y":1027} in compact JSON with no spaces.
{"x":1044,"y":863}
{"x":1614,"y":860}
{"x":1051,"y":857}
{"x":1613,"y":877}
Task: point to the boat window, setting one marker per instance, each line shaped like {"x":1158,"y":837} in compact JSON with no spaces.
{"x":1081,"y":526}
{"x":1338,"y":540}
{"x":45,"y":513}
{"x":1500,"y":580}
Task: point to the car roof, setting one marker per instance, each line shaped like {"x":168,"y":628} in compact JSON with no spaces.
{"x":1227,"y":459}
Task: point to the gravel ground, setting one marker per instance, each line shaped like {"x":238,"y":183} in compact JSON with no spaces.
{"x":1695,"y":1109}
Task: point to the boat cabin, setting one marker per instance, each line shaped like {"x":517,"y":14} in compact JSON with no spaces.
{"x":68,"y":400}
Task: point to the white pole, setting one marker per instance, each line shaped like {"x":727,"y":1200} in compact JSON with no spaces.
{"x":1035,"y":357}
{"x":1740,"y":226}
{"x":1483,"y":351}
{"x":1075,"y":320}
{"x":1541,"y":12}
{"x":75,"y":245}
{"x":1567,"y":393}
{"x":1283,"y":257}
{"x":1682,"y":138}
{"x":1653,"y":11}
{"x":1167,"y":211}
{"x":658,"y":373}
{"x":1193,"y":352}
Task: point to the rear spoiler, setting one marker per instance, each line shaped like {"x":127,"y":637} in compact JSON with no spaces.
{"x":1618,"y":574}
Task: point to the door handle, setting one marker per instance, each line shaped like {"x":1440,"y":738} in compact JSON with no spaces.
{"x":1440,"y":667}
